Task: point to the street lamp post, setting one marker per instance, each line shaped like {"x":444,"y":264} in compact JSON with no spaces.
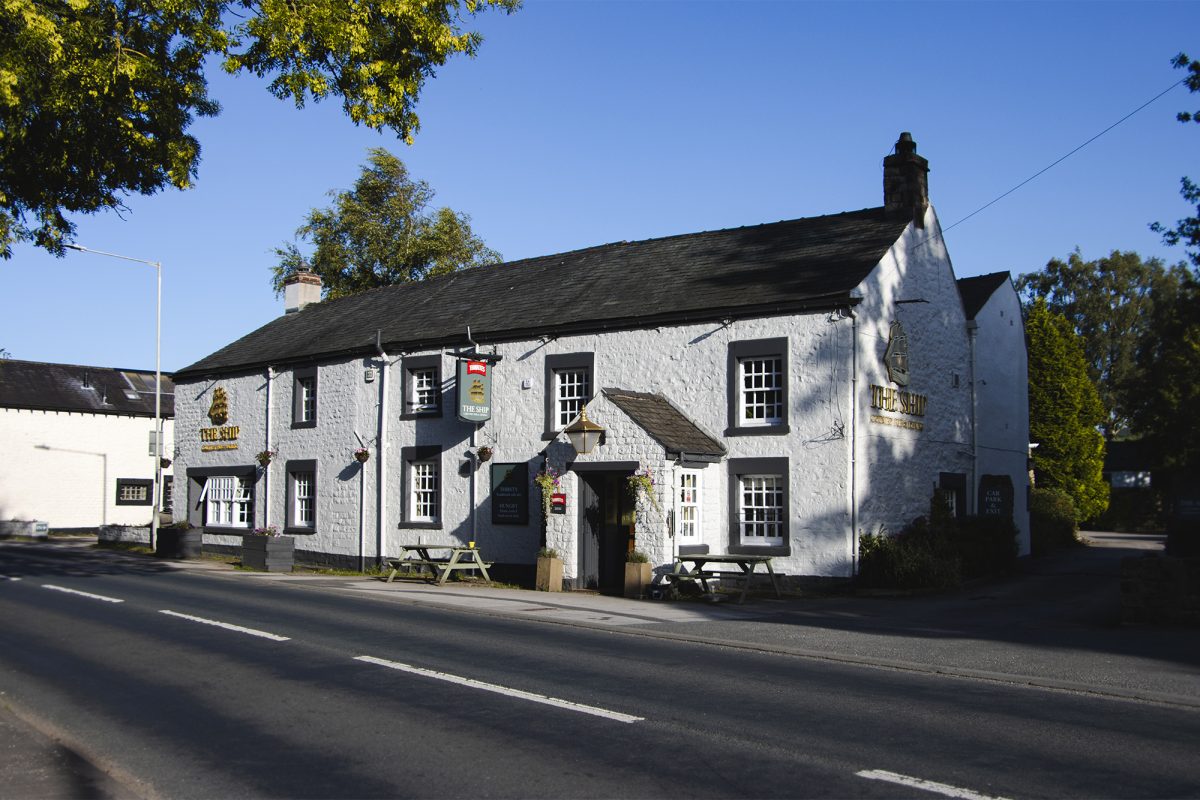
{"x":158,"y":426}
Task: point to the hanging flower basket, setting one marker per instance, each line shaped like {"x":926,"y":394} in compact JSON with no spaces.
{"x":361,"y":455}
{"x":642,"y":483}
{"x":485,"y":453}
{"x":265,"y":457}
{"x":549,"y":482}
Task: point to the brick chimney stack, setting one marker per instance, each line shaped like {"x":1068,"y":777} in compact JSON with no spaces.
{"x":906,"y":182}
{"x":299,"y":289}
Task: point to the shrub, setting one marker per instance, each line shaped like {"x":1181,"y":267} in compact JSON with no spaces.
{"x":1052,"y":520}
{"x":916,"y":558}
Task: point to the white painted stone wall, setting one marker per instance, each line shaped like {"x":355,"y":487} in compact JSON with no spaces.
{"x":897,"y":468}
{"x":1002,"y":399}
{"x":62,"y":467}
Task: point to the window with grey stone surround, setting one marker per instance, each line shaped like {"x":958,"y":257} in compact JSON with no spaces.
{"x":304,"y":398}
{"x":760,"y":506}
{"x":301,"y":515}
{"x":422,"y":387}
{"x":222,"y":499}
{"x":757,"y":380}
{"x":569,"y":385}
{"x":422,"y":507}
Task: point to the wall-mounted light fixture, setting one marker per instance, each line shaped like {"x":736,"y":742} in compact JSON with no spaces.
{"x":584,"y":434}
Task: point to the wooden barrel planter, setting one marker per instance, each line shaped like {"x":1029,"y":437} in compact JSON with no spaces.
{"x":268,"y":553}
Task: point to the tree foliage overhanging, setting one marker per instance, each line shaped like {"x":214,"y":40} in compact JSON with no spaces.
{"x":1186,"y":230}
{"x":1065,"y":413}
{"x":382,"y":232}
{"x":96,"y":96}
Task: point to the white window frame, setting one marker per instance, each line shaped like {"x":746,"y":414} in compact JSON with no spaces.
{"x":760,"y":391}
{"x":424,"y":491}
{"x":228,"y":499}
{"x":761,"y":516}
{"x":306,"y":408}
{"x":572,"y":390}
{"x":304,"y":499}
{"x":423,"y":390}
{"x":689,"y":516}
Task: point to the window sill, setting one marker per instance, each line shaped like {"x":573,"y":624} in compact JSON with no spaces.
{"x":759,"y":430}
{"x":431,"y":414}
{"x":424,"y":526}
{"x":760,"y":550}
{"x":312,"y":423}
{"x":217,"y":530}
{"x":693,"y":549}
{"x":299,"y":531}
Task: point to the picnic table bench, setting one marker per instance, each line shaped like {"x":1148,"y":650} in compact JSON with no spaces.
{"x":698,"y":573}
{"x":418,"y":556}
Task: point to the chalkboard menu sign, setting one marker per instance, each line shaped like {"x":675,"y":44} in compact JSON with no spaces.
{"x":510,"y":494}
{"x":996,"y":496}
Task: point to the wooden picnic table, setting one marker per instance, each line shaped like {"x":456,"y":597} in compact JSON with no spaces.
{"x":420,"y":556}
{"x":698,"y":573}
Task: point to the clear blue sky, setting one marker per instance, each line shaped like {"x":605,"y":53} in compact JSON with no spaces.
{"x":582,"y":123}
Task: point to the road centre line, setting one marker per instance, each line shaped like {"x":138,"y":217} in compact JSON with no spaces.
{"x":226,"y":625}
{"x":928,"y":786}
{"x":504,"y":690}
{"x":88,"y":595}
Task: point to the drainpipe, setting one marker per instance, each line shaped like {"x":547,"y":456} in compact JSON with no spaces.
{"x":267,"y":469}
{"x":853,"y":443}
{"x":381,"y":482}
{"x":972,"y":501}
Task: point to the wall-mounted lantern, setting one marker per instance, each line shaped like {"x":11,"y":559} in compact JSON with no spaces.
{"x":584,"y":434}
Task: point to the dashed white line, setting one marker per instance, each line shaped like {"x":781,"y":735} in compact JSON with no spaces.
{"x":88,"y":595}
{"x":928,"y":786}
{"x":504,"y":690}
{"x":10,"y":577}
{"x":226,"y":625}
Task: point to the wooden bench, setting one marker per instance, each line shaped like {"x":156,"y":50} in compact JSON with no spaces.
{"x":440,"y":569}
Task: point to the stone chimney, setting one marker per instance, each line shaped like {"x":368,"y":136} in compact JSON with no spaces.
{"x":906,"y":182}
{"x":299,"y":289}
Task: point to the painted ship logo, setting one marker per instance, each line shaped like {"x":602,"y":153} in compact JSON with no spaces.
{"x":477,"y":393}
{"x":896,"y":357}
{"x":218,"y":412}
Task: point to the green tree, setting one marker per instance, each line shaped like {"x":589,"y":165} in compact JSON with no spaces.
{"x":1109,"y":303}
{"x":1186,"y":230}
{"x":1165,"y":408}
{"x":382,"y":232}
{"x":1064,"y":413}
{"x":96,"y":96}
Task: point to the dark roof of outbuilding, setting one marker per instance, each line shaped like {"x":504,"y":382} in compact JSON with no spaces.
{"x":94,"y":390}
{"x":669,"y":426}
{"x":781,"y":266}
{"x":976,"y":291}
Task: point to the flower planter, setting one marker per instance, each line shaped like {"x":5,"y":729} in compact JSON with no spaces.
{"x":268,"y":553}
{"x":177,"y":543}
{"x":549,"y":574}
{"x":637,"y":579}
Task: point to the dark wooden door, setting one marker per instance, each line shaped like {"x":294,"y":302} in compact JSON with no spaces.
{"x":607,"y":517}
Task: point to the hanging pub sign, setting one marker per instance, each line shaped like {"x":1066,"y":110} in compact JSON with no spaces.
{"x":474,"y":391}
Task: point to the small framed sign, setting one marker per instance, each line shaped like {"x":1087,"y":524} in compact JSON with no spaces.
{"x":558,"y":503}
{"x":510,"y":494}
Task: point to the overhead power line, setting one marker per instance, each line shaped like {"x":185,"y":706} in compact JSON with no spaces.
{"x":1050,"y":166}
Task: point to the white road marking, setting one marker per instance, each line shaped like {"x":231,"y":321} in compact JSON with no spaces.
{"x":81,"y":594}
{"x":491,"y":687}
{"x":11,"y":578}
{"x":226,"y":625}
{"x":928,"y":786}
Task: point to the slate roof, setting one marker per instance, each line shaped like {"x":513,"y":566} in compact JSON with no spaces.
{"x":95,"y":390}
{"x":778,"y":267}
{"x":976,"y":291}
{"x":669,"y":426}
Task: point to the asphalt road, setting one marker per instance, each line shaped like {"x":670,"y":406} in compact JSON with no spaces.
{"x":194,"y":684}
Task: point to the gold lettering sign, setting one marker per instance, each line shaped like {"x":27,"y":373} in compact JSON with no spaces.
{"x":208,"y":448}
{"x":885,"y":398}
{"x":227,"y":434}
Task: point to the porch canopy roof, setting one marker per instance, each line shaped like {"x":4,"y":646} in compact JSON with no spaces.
{"x":675,"y":431}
